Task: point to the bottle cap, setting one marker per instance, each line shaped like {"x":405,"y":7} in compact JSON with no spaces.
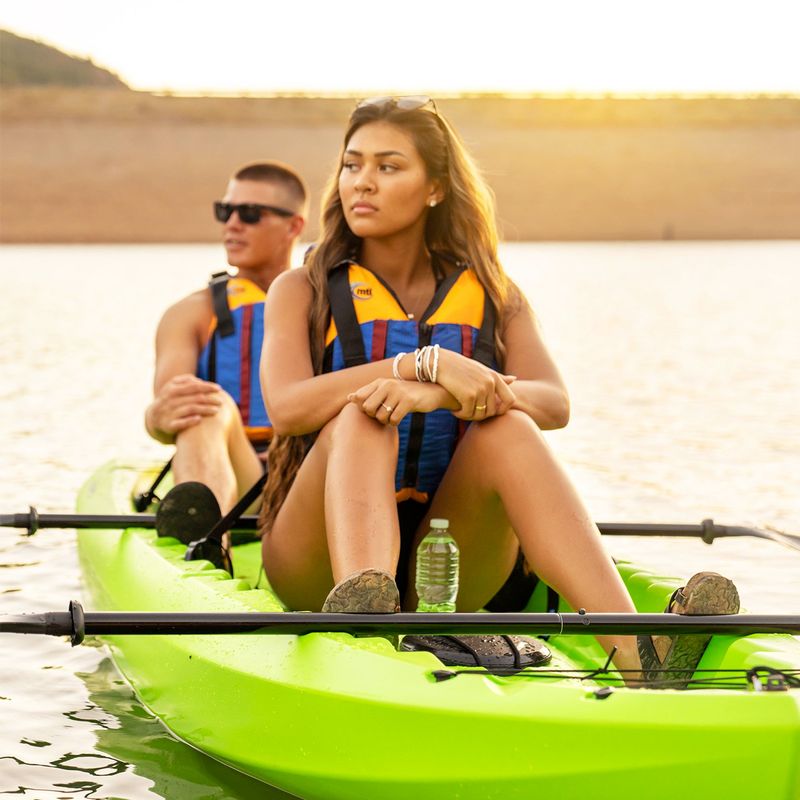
{"x":442,"y":524}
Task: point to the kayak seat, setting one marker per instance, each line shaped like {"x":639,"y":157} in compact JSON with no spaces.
{"x":490,"y":652}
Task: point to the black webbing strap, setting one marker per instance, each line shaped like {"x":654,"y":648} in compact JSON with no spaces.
{"x":233,"y":516}
{"x":212,"y":358}
{"x":225,"y":327}
{"x":348,"y":330}
{"x":142,"y":501}
{"x":211,"y":546}
{"x":416,"y":430}
{"x":327,"y":358}
{"x":484,"y":346}
{"x":219,"y":298}
{"x":484,"y":353}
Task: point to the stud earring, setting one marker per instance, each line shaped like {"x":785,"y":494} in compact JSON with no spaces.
{"x":432,"y":203}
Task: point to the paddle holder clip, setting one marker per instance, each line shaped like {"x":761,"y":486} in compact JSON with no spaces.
{"x":33,"y":521}
{"x":710,"y":531}
{"x":78,"y":623}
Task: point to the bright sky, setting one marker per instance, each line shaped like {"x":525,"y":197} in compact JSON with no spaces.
{"x":436,"y":46}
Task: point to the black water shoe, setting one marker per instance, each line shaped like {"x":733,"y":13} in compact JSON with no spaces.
{"x":188,"y":512}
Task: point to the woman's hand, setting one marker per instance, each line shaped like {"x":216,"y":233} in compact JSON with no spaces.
{"x":479,"y":391}
{"x":388,"y":400}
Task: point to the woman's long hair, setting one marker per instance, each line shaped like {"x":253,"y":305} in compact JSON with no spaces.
{"x":462,"y":226}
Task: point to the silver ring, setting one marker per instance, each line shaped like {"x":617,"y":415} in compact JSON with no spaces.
{"x":388,"y":408}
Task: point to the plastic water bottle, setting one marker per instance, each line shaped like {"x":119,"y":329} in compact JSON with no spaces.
{"x":437,"y":569}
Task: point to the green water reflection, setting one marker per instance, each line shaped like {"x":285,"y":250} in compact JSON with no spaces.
{"x":133,"y":740}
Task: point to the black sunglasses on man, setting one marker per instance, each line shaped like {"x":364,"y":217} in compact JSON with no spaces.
{"x":249,"y":213}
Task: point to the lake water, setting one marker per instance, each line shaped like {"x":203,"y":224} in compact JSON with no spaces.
{"x":683,"y":362}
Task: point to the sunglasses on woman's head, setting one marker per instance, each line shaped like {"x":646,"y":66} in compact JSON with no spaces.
{"x":408,"y":103}
{"x":249,"y":213}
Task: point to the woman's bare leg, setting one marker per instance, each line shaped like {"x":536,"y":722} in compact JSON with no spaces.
{"x":340,"y":515}
{"x":504,"y":479}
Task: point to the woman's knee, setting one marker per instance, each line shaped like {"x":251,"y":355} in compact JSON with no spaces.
{"x":513,"y":426}
{"x":352,"y":425}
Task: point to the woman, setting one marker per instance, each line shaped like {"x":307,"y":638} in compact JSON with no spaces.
{"x":407,"y":260}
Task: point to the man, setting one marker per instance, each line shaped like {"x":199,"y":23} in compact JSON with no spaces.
{"x":207,"y":397}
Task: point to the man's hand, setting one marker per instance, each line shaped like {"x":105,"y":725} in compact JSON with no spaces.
{"x":181,"y":403}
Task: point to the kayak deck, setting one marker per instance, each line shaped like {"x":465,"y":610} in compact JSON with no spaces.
{"x":328,"y":715}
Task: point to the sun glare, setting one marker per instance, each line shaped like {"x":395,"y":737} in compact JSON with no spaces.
{"x":510,"y":46}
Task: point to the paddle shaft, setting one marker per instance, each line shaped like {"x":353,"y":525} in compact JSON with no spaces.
{"x":33,"y":521}
{"x":708,"y":530}
{"x":76,"y":623}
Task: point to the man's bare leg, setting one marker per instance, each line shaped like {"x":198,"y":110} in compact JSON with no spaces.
{"x":216,"y":452}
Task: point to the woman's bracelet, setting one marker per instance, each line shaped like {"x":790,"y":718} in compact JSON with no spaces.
{"x":419,"y":353}
{"x":396,"y":366}
{"x":435,"y":372}
{"x":426,"y":364}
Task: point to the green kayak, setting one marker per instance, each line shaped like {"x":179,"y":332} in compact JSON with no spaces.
{"x":330,"y":715}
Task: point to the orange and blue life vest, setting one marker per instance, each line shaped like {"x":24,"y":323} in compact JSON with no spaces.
{"x":232,"y":353}
{"x":368,"y":323}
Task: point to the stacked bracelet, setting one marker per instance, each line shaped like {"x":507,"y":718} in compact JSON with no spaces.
{"x":396,"y":366}
{"x":426,"y":364}
{"x":435,"y":372}
{"x":419,"y":354}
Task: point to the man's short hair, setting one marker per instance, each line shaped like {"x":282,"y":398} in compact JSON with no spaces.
{"x":278,"y":173}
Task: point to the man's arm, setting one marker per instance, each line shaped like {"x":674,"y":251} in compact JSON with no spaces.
{"x":180,"y":399}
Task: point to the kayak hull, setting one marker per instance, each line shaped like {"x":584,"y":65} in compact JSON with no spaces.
{"x":332,"y":716}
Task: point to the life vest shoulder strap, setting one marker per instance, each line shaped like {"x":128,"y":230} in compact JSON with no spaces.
{"x":344,"y":315}
{"x":218,"y":284}
{"x":484,"y":346}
